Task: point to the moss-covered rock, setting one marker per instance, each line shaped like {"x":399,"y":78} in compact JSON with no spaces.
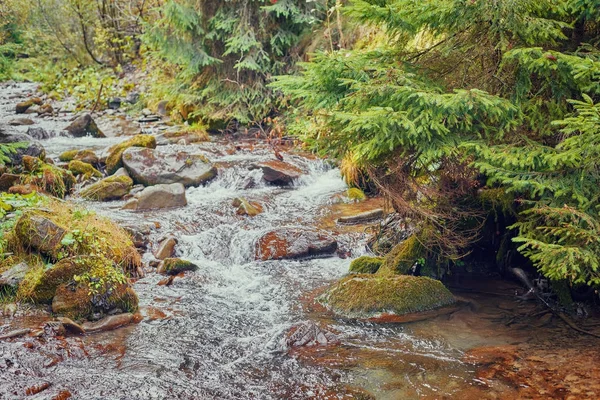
{"x":100,"y":289}
{"x":23,"y":106}
{"x":114,"y":159}
{"x":355,"y":194}
{"x":366,"y":265}
{"x":403,"y":256}
{"x":68,"y":155}
{"x":82,"y":168}
{"x":60,"y":273}
{"x":57,"y":230}
{"x":245,"y":207}
{"x":367,"y":296}
{"x":111,"y":188}
{"x":173,"y":266}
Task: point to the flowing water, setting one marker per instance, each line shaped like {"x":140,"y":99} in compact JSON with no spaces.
{"x":219,"y":332}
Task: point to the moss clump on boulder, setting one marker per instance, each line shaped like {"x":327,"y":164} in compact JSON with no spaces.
{"x":403,"y":256}
{"x":366,"y":296}
{"x":68,"y":155}
{"x":57,"y":231}
{"x":366,"y":265}
{"x":82,"y":168}
{"x":114,"y":159}
{"x":49,"y":178}
{"x":355,"y":194}
{"x":111,"y":188}
{"x":245,"y":207}
{"x":98,"y":289}
{"x":42,"y":287}
{"x":173,"y":266}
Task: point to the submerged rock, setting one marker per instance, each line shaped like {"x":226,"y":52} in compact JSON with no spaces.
{"x":162,"y":196}
{"x":368,"y":296}
{"x":307,"y":334}
{"x":21,"y":122}
{"x":111,"y":188}
{"x":290,"y":243}
{"x":174,"y":266}
{"x":366,"y":265}
{"x":152,"y":167}
{"x":279,"y":173}
{"x":114,"y":160}
{"x":84,"y":126}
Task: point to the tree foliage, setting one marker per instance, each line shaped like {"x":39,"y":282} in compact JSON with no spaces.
{"x":505,"y":90}
{"x":218,"y":56}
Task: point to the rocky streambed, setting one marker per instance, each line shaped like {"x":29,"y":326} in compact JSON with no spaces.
{"x":238,"y":242}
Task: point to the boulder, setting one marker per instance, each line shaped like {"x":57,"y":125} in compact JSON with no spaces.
{"x":14,"y":275}
{"x":166,"y":248}
{"x":21,"y":107}
{"x":24,"y":145}
{"x":86,"y":156}
{"x":39,"y":133}
{"x":115,"y":153}
{"x":369,"y":296}
{"x":162,"y":196}
{"x":366,"y":265}
{"x":279,"y":173}
{"x":84,"y":126}
{"x":174,"y":266}
{"x":152,"y":167}
{"x":403,"y":257}
{"x":111,"y":188}
{"x":60,"y":273}
{"x":21,"y":122}
{"x":36,"y":232}
{"x":367,"y":216}
{"x":290,"y":243}
{"x":81,"y":302}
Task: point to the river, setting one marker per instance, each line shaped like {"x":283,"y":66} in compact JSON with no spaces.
{"x":219,"y":332}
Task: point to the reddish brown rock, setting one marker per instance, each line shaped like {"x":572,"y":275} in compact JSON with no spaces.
{"x":279,"y":172}
{"x":290,"y":243}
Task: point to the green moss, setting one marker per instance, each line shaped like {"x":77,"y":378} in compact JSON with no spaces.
{"x":60,"y":231}
{"x":364,"y":296}
{"x":94,"y":286}
{"x":403,"y":256}
{"x":173,"y":266}
{"x":68,"y":155}
{"x":31,"y":164}
{"x":114,"y":161}
{"x":81,"y":168}
{"x":111,"y":188}
{"x":51,"y":179}
{"x":366,"y":265}
{"x":356,"y":194}
{"x":43,"y":290}
{"x":496,"y":199}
